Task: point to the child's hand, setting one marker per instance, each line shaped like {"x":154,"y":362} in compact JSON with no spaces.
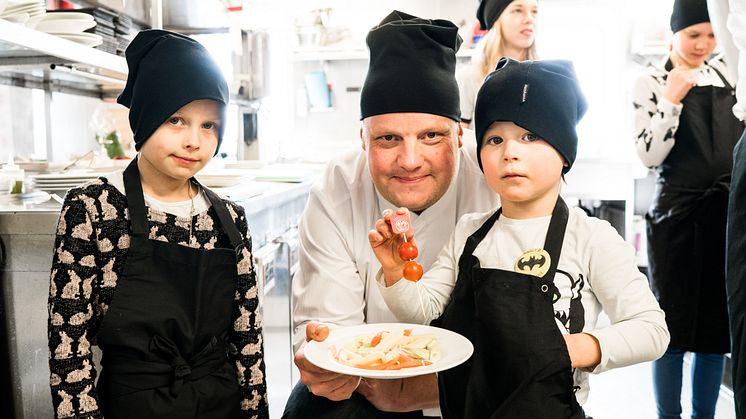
{"x":385,"y":244}
{"x":680,"y":80}
{"x":584,"y":350}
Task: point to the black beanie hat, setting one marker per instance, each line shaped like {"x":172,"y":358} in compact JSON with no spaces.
{"x":412,"y":67}
{"x":687,"y":13}
{"x":541,"y":96}
{"x":168,"y":70}
{"x":489,"y":11}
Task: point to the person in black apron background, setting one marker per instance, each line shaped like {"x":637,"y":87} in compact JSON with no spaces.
{"x":686,"y":131}
{"x":526,"y":283}
{"x":155,"y":269}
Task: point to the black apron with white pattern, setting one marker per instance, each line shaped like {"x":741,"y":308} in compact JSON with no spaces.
{"x":164,"y":335}
{"x":521,"y":367}
{"x":686,"y":222}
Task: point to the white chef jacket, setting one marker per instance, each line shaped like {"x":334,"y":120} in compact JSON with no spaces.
{"x":729,"y":22}
{"x":595,"y":263}
{"x":335,"y":282}
{"x":469,"y":78}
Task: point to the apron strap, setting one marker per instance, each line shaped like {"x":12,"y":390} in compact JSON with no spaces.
{"x":473,"y":241}
{"x":135,"y":201}
{"x":725,"y":81}
{"x":229,"y":226}
{"x":556,"y":236}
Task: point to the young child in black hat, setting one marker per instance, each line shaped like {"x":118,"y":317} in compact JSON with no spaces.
{"x":527,"y":282}
{"x":155,"y":269}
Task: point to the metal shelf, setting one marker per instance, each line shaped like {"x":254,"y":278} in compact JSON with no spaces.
{"x":25,"y":51}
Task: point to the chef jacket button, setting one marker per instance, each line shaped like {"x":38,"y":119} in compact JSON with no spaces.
{"x":544,"y":288}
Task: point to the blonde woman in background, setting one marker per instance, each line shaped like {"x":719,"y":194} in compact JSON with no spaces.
{"x":512,"y":34}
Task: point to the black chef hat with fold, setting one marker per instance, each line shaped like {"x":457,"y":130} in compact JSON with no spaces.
{"x":412,"y":67}
{"x":168,"y":70}
{"x":687,"y":13}
{"x":489,"y":11}
{"x":542,"y":96}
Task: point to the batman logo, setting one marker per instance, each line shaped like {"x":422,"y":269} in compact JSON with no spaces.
{"x":533,"y":262}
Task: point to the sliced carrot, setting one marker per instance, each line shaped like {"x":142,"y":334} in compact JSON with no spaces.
{"x":407,"y":332}
{"x":411,"y":364}
{"x":376,"y":339}
{"x":380,"y":366}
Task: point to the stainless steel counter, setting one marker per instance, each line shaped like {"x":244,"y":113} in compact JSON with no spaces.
{"x":27,"y":228}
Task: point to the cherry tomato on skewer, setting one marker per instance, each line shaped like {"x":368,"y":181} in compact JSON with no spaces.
{"x":408,"y":251}
{"x":412,"y":271}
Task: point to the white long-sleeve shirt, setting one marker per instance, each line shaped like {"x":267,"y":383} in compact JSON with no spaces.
{"x":657,"y":119}
{"x":729,"y":22}
{"x":335,"y":283}
{"x":594,"y":260}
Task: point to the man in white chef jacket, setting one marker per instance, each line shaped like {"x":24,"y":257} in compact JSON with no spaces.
{"x":729,"y":22}
{"x":415,"y":155}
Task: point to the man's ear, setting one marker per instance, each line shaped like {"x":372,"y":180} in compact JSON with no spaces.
{"x":362,"y":139}
{"x":460,"y":134}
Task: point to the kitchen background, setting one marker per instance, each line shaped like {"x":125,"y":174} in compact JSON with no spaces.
{"x":295,"y":69}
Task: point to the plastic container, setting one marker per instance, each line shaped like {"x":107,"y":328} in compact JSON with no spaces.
{"x":11,"y":177}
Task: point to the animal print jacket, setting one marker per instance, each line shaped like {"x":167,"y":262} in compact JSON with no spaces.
{"x":93,"y":236}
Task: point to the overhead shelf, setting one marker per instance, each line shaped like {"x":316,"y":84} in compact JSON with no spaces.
{"x":23,"y":50}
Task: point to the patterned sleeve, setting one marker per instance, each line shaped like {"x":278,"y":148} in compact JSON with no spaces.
{"x":656,"y":120}
{"x":247,"y":329}
{"x":74,"y":270}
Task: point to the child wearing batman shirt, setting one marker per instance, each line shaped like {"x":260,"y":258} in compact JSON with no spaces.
{"x":526,"y":283}
{"x":155,"y":269}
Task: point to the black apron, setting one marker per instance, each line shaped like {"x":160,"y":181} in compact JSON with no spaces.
{"x":520,"y":367}
{"x":164,"y":335}
{"x":687,"y":220}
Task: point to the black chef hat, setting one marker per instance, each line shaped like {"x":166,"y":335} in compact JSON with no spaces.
{"x":167,"y":70}
{"x":541,"y":96}
{"x":489,"y":11}
{"x":412,"y":67}
{"x":687,"y":13}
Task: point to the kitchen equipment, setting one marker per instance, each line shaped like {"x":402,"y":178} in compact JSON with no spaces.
{"x":251,"y":65}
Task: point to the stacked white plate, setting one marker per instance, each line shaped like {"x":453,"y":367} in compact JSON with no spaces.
{"x":27,"y":12}
{"x":61,"y":182}
{"x":71,"y":26}
{"x":224,"y":178}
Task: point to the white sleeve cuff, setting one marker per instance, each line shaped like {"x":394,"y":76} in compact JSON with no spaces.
{"x":669,"y":109}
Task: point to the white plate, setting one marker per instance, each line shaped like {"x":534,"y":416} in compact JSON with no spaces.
{"x":34,"y":20}
{"x":31,"y":9}
{"x":224,"y":177}
{"x":87,"y":39}
{"x":455,"y":350}
{"x":69,"y":15}
{"x":66,"y":176}
{"x":54,"y":188}
{"x":17,"y":18}
{"x":65,"y":25}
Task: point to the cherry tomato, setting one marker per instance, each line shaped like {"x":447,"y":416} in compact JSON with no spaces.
{"x":408,"y":251}
{"x":412,"y":271}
